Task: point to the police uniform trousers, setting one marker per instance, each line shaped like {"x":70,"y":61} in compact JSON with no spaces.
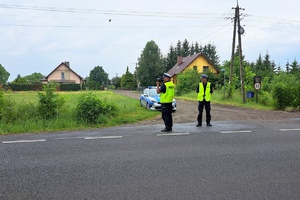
{"x":201,"y":105}
{"x":166,"y":113}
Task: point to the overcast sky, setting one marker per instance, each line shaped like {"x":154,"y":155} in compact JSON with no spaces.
{"x":36,"y":36}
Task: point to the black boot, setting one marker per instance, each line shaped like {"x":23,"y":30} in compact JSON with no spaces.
{"x":199,"y":124}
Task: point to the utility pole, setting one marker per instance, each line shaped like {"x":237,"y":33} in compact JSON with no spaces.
{"x":136,"y":72}
{"x":233,"y":43}
{"x":240,"y":32}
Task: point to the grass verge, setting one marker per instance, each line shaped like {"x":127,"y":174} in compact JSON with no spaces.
{"x":236,"y":100}
{"x":24,"y":117}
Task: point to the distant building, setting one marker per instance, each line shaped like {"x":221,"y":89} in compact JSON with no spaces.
{"x":63,"y":74}
{"x":198,"y":62}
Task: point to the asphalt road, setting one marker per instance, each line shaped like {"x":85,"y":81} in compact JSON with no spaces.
{"x":231,"y":160}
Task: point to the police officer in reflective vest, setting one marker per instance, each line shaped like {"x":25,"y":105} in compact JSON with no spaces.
{"x":204,"y":91}
{"x":166,"y":91}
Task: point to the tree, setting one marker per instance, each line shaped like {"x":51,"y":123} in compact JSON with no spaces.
{"x":288,"y":67}
{"x":171,"y":59}
{"x":273,"y":67}
{"x":19,"y":80}
{"x":295,"y":67}
{"x":258,"y":64}
{"x":35,"y":77}
{"x":267,"y":63}
{"x":268,"y":68}
{"x":278,"y":70}
{"x":178,"y":48}
{"x":128,"y":81}
{"x":116,"y":81}
{"x":197,"y":48}
{"x":4,"y":75}
{"x":98,"y":77}
{"x":210,"y":51}
{"x":150,"y":64}
{"x":185,"y":48}
{"x":192,"y":50}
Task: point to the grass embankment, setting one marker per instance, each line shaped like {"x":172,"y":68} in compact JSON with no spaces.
{"x":27,"y":121}
{"x":236,"y":100}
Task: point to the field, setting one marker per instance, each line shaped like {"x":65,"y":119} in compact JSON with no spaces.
{"x":26,"y":120}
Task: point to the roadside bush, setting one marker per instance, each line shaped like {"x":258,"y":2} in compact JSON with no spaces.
{"x":187,"y":82}
{"x":286,"y":91}
{"x":49,"y":103}
{"x":91,"y":109}
{"x":282,"y":96}
{"x":296,"y":96}
{"x":7,"y":110}
{"x":264,"y":98}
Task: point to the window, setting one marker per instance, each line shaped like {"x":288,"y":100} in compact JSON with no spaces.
{"x":195,"y":68}
{"x":205,"y":69}
{"x":62,"y":75}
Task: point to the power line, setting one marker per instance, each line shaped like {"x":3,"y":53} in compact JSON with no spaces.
{"x":106,"y":12}
{"x":215,"y":22}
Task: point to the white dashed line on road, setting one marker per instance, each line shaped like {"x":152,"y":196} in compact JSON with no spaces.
{"x":173,"y":134}
{"x":295,"y":129}
{"x":22,"y":141}
{"x":68,"y":138}
{"x":246,"y":131}
{"x":103,"y":137}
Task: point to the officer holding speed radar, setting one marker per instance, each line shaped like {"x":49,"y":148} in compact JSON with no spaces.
{"x":204,"y":91}
{"x":166,"y":91}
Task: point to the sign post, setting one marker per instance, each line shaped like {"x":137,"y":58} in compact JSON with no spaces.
{"x":257,"y":85}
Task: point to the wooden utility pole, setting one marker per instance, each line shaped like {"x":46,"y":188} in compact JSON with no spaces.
{"x":240,"y":32}
{"x":233,"y":43}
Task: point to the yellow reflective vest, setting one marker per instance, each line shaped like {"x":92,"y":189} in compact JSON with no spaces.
{"x":169,"y":95}
{"x":201,"y":95}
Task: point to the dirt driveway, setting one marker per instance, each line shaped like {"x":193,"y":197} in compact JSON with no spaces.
{"x":187,"y":112}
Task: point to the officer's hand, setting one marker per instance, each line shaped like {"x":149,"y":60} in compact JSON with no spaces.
{"x":157,"y":83}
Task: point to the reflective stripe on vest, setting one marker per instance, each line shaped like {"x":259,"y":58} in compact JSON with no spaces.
{"x":169,"y":95}
{"x":201,"y":92}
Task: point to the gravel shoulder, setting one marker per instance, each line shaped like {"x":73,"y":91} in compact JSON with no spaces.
{"x":187,"y":112}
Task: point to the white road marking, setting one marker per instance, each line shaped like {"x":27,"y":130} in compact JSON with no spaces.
{"x":103,"y":137}
{"x":295,"y":129}
{"x":22,"y":141}
{"x":67,"y":138}
{"x":173,"y":134}
{"x":247,"y":131}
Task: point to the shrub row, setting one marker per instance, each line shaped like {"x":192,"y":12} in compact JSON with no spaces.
{"x":39,"y":87}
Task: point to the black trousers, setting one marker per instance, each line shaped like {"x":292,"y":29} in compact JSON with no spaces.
{"x":166,"y":114}
{"x":205,"y":104}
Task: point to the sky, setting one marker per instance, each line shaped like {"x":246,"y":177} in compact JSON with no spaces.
{"x":37,"y":36}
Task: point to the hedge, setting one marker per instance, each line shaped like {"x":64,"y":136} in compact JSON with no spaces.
{"x":39,"y":87}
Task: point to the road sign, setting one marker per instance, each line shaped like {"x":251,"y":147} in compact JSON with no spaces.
{"x":257,"y":86}
{"x":257,"y":79}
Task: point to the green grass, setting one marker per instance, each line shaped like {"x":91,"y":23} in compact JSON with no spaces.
{"x":26,"y":120}
{"x":236,"y":100}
